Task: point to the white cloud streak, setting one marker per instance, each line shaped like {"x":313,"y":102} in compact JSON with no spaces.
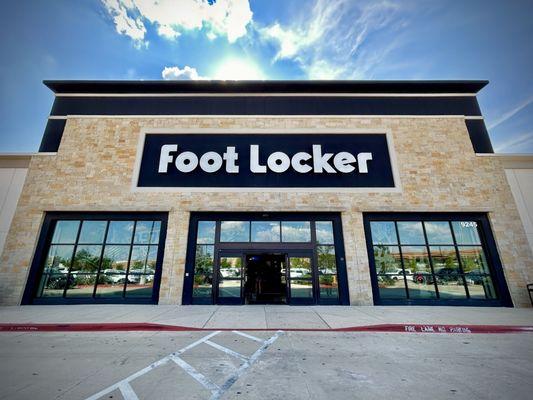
{"x":181,"y":74}
{"x":509,"y":114}
{"x":171,"y":18}
{"x":516,"y":144}
{"x":333,"y":40}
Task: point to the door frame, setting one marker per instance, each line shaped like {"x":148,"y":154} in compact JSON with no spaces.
{"x":278,"y":247}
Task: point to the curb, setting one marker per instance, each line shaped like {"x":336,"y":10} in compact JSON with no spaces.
{"x":150,"y":327}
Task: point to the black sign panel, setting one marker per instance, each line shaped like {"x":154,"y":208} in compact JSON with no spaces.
{"x":266,"y":161}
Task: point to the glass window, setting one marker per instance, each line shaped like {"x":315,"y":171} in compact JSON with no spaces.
{"x":202,"y":286}
{"x":58,"y":259}
{"x":411,"y":232}
{"x":301,"y":289}
{"x":206,"y":232}
{"x":83,"y":285}
{"x":437,"y":274}
{"x":205,"y":260}
{"x":421,"y":286}
{"x":229,"y":288}
{"x":388,"y":260}
{"x":235,"y":231}
{"x":444,"y":259}
{"x":265,"y":231}
{"x":53,"y":285}
{"x":92,"y":232}
{"x":98,"y":265}
{"x":324,"y":232}
{"x":300,"y":267}
{"x":391,"y":287}
{"x":230,"y":267}
{"x":326,"y":260}
{"x":139,"y":285}
{"x":439,"y":232}
{"x":115,"y":259}
{"x":383,"y":232}
{"x":120,"y":232}
{"x":473,"y":260}
{"x":480,"y":286}
{"x":416,"y":260}
{"x":466,"y":232}
{"x":143,"y":231}
{"x":87,"y":258}
{"x":296,"y":231}
{"x":65,"y":232}
{"x":329,"y":287}
{"x":156,"y":231}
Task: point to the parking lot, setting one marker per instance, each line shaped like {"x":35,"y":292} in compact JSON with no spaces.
{"x":264,"y":364}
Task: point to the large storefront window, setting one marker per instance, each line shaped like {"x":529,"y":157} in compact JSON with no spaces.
{"x":430,"y":259}
{"x":258,"y":258}
{"x":100,"y":258}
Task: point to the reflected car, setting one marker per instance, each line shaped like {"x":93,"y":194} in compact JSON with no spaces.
{"x":231,"y":272}
{"x":398,"y":274}
{"x":299,"y":273}
{"x":115,"y":275}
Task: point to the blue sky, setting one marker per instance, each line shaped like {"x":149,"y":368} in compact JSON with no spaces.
{"x":267,"y":39}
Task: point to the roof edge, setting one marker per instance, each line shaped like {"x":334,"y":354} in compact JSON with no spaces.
{"x":273,"y":86}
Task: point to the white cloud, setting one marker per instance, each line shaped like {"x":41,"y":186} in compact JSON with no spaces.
{"x":333,"y":39}
{"x":228,"y":18}
{"x":185,"y":73}
{"x":505,"y":116}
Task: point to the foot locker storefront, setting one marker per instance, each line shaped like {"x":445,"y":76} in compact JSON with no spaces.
{"x":290,"y":193}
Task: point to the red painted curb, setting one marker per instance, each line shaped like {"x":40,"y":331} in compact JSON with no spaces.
{"x":143,"y":326}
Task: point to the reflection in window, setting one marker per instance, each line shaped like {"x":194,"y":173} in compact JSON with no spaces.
{"x":265,"y":231}
{"x":101,"y":260}
{"x":230,"y":267}
{"x":235,"y":231}
{"x":466,"y":232}
{"x":296,"y":231}
{"x":206,"y":232}
{"x":92,"y":231}
{"x":411,"y":232}
{"x":437,"y":274}
{"x":324,"y":232}
{"x":439,"y":232}
{"x":120,"y":232}
{"x":65,"y":232}
{"x":383,"y":232}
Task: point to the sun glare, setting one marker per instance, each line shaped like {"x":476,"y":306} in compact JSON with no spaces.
{"x":235,"y":69}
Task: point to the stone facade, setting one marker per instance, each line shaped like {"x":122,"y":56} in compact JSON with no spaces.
{"x":439,"y":172}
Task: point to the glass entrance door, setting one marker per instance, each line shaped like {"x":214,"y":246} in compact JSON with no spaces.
{"x":300,"y":274}
{"x":229,"y":278}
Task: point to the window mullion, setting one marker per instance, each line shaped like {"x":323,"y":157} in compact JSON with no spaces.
{"x":430,"y":260}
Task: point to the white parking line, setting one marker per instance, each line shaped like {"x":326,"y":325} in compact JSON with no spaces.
{"x":248,"y":336}
{"x":200,"y":378}
{"x":226,"y":350}
{"x":127,"y":391}
{"x":232,"y":379}
{"x":216,"y":391}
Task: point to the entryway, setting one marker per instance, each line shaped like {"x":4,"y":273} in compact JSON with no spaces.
{"x":265,"y":258}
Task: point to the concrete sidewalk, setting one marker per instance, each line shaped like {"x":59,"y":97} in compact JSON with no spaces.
{"x":266,"y":317}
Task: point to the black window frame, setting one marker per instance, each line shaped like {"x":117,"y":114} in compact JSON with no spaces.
{"x":487,"y":243}
{"x":44,"y":242}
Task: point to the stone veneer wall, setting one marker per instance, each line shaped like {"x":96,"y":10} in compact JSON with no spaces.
{"x":93,"y":169}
